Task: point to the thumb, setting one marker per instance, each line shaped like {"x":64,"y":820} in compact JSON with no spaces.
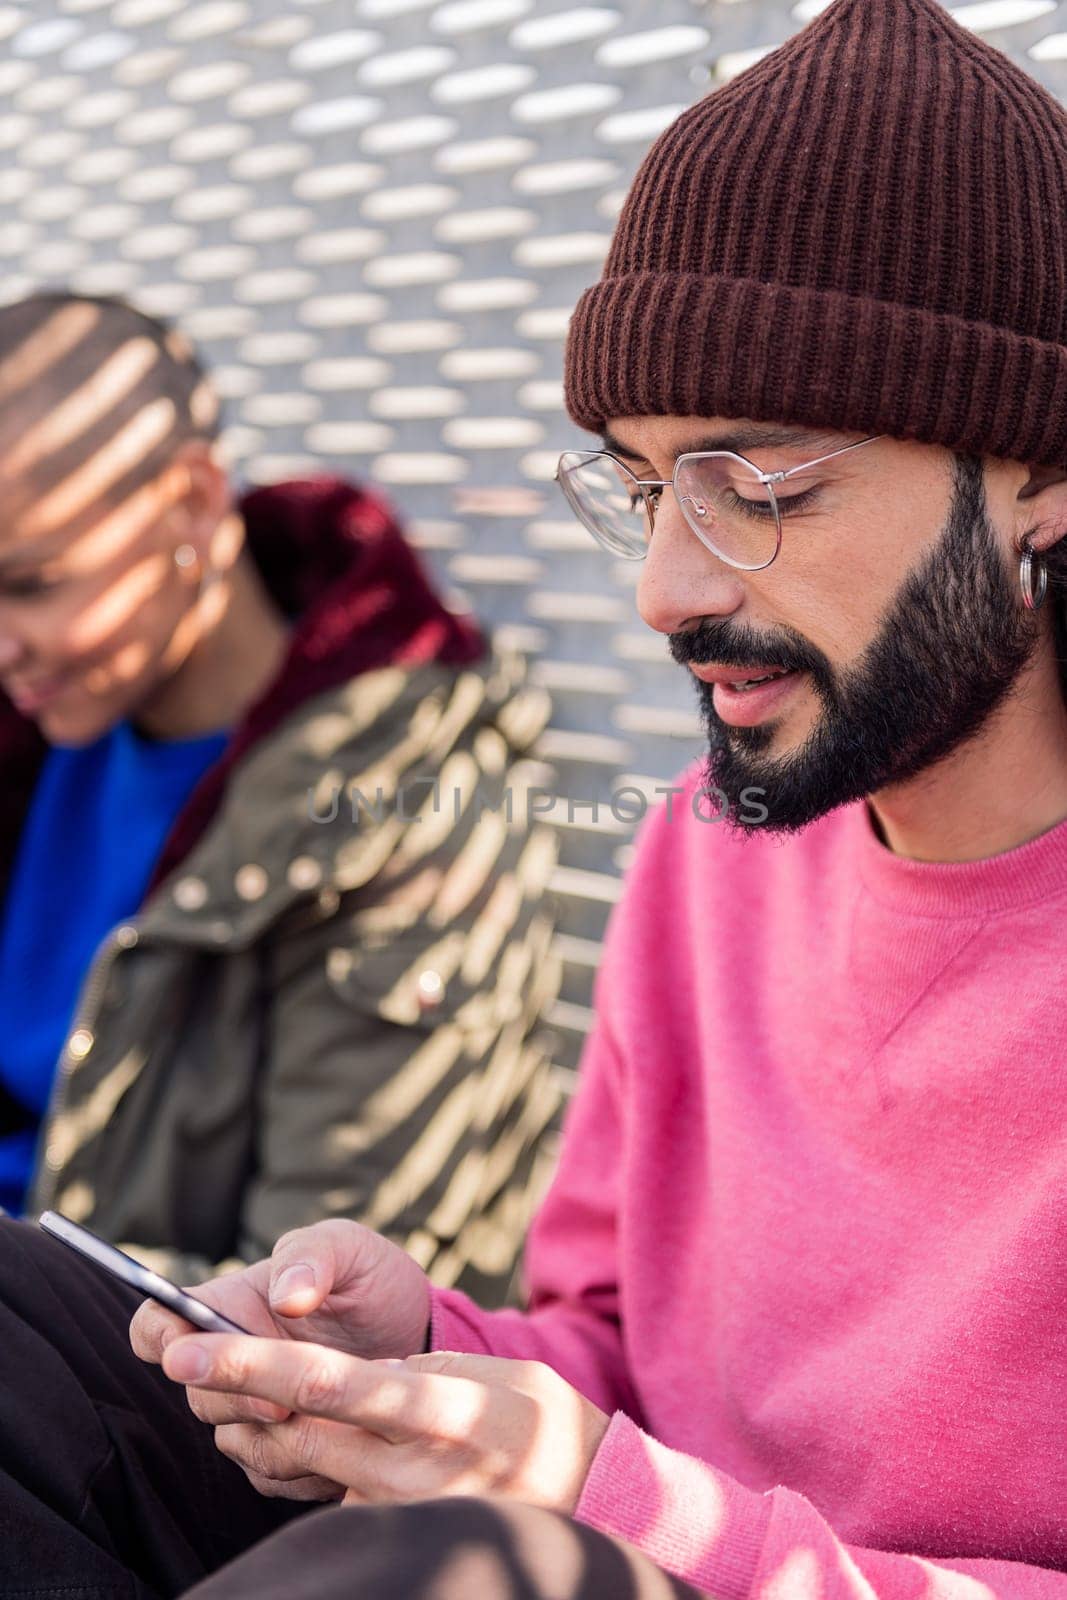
{"x":306,"y":1265}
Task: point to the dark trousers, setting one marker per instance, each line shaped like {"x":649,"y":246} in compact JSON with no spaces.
{"x":110,"y":1489}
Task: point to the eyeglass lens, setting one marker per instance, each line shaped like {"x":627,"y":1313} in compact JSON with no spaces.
{"x":722,"y":499}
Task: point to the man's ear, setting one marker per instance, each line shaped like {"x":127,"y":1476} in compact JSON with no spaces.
{"x":1044,"y":524}
{"x":1040,"y":478}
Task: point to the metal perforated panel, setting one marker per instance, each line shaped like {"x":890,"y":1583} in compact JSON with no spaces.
{"x":375,"y":217}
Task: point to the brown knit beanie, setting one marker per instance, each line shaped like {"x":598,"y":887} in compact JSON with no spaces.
{"x":866,"y":230}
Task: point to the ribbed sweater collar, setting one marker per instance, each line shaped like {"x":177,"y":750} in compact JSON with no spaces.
{"x":1034,"y":871}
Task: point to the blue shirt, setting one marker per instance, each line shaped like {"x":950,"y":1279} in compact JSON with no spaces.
{"x":98,"y":819}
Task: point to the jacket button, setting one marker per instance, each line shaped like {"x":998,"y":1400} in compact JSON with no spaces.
{"x":79,"y":1044}
{"x":339,"y":965}
{"x":304,"y":873}
{"x":126,"y":936}
{"x":431,"y":989}
{"x":251,"y":882}
{"x":190,"y":894}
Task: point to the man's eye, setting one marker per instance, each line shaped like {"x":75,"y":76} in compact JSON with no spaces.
{"x":796,"y":502}
{"x":763,"y":508}
{"x":648,"y":500}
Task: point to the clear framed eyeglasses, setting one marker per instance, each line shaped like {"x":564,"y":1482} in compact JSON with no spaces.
{"x":732,"y":507}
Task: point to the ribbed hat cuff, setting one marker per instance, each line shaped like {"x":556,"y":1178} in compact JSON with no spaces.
{"x":663,"y":344}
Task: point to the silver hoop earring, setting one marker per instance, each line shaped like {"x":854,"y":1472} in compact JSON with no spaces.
{"x":185,"y":557}
{"x":1033,"y":596}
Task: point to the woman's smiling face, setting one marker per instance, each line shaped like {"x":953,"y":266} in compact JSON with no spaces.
{"x":93,"y":606}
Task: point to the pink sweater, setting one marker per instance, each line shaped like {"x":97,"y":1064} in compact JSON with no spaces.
{"x":808,"y":1237}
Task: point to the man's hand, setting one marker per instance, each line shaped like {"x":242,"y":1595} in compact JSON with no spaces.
{"x":336,"y":1284}
{"x":390,"y":1431}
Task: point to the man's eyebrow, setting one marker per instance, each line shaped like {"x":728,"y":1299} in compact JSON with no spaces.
{"x":766,"y":437}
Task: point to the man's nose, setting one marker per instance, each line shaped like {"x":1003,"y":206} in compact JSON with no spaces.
{"x":681,"y":579}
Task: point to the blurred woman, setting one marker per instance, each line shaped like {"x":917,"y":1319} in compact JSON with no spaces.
{"x":272,"y":938}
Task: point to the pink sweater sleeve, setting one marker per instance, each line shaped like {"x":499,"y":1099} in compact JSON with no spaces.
{"x":572,"y":1323}
{"x":738,"y":1544}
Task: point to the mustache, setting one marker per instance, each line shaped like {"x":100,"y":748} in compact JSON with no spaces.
{"x":730,"y":646}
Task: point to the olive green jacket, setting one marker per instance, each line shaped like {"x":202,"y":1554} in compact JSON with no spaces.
{"x":331,"y":1008}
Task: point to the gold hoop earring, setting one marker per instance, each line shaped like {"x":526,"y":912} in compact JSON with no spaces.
{"x":1032,"y":565}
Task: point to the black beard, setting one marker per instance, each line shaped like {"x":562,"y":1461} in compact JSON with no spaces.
{"x":949,"y":650}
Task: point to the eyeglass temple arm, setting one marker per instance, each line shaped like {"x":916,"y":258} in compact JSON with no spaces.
{"x":776,"y":477}
{"x":765,"y":477}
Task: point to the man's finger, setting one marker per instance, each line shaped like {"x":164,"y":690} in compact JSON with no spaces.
{"x":318,"y":1489}
{"x":315,"y":1381}
{"x":260,"y":1453}
{"x":303,"y":1452}
{"x":310,"y":1488}
{"x":306,"y":1450}
{"x":153,"y":1327}
{"x":290,"y":1457}
{"x":219,"y":1410}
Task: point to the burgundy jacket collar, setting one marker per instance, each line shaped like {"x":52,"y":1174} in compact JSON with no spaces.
{"x":335,"y":560}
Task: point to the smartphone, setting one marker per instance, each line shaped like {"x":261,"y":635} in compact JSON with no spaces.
{"x":120,"y":1265}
